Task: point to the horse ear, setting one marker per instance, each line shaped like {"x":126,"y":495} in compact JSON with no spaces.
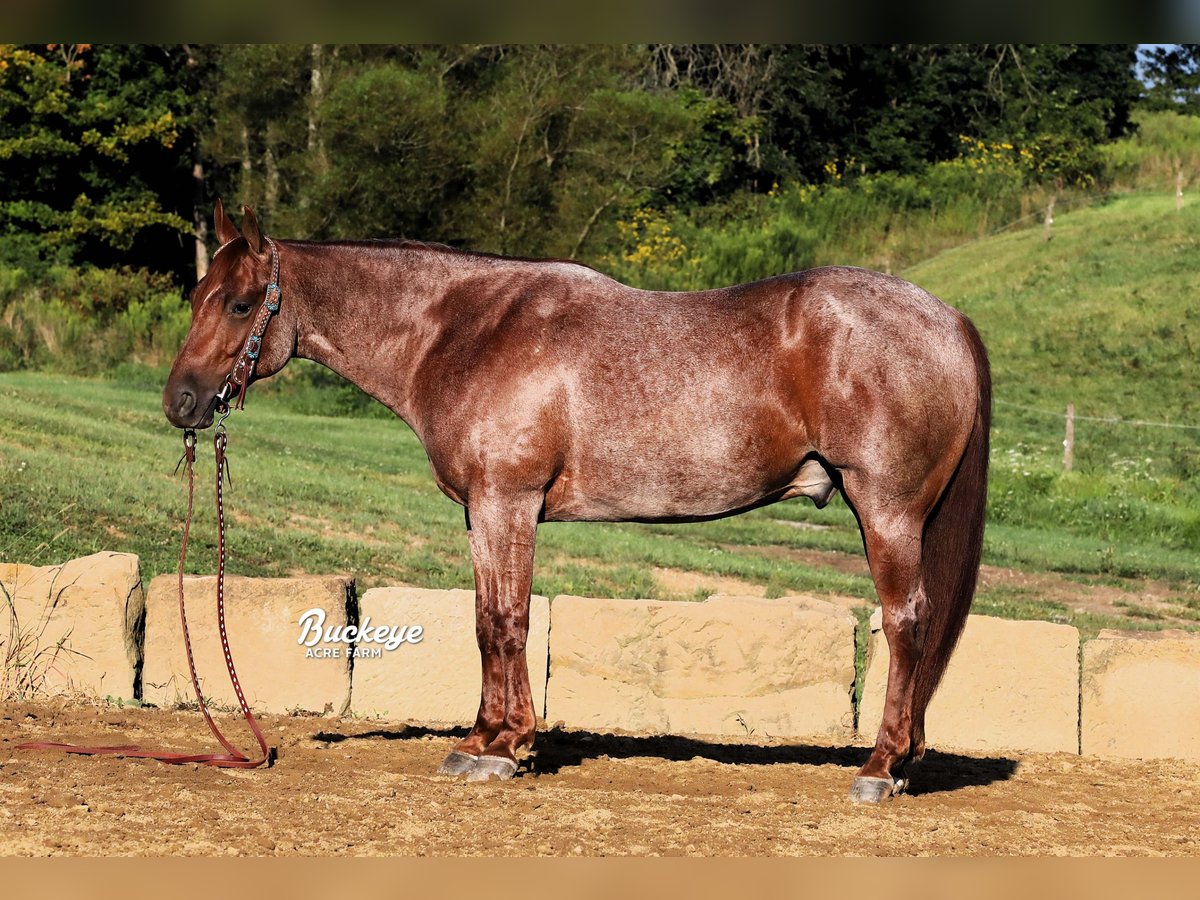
{"x":226,"y":230}
{"x":250,"y":230}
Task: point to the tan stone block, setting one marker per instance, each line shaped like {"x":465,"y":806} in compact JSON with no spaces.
{"x":727,"y":666}
{"x":1140,"y":696}
{"x":436,"y":680}
{"x":262,"y":618}
{"x":1009,"y":686}
{"x":78,"y":625}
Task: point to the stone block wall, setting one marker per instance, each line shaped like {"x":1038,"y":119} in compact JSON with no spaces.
{"x":263,"y":616}
{"x":730,"y":666}
{"x":1141,"y":695}
{"x":1009,"y":686}
{"x":76,"y":626}
{"x":436,"y":679}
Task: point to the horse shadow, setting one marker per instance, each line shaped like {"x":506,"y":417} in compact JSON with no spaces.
{"x":559,"y":748}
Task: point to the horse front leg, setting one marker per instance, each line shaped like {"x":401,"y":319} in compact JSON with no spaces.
{"x":502,"y":533}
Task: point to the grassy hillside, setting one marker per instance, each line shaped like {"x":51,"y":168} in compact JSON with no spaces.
{"x":1101,"y":316}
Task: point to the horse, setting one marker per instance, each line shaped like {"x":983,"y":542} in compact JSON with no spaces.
{"x":545,"y":391}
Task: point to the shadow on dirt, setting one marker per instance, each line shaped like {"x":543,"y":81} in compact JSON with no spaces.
{"x":558,"y":749}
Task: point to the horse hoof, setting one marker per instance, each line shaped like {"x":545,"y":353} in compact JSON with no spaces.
{"x":871,"y":790}
{"x":457,"y":763}
{"x":489,"y":767}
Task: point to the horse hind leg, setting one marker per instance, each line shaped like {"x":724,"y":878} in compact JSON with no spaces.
{"x":893,"y":544}
{"x":892,"y":511}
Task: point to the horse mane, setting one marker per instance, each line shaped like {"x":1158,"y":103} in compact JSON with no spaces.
{"x":435,"y":247}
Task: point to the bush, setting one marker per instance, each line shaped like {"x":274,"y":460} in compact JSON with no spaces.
{"x":1164,"y":144}
{"x":310,"y":389}
{"x":89,"y":319}
{"x":885,"y":221}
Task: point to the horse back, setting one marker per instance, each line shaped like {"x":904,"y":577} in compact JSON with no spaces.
{"x":627,"y":404}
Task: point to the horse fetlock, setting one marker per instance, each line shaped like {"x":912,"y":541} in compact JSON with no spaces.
{"x":475,"y":743}
{"x":511,"y":743}
{"x":893,"y":746}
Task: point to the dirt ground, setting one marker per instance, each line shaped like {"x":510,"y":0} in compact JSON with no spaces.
{"x":364,"y":787}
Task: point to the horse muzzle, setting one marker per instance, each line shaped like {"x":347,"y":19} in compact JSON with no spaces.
{"x":188,"y":406}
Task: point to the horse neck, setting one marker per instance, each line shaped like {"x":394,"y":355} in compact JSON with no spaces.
{"x":362,"y":311}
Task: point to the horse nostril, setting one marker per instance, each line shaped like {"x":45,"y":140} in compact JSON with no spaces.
{"x":186,"y":403}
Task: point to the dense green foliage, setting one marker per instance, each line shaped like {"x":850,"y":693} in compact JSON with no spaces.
{"x":679,"y":166}
{"x":113,"y":153}
{"x":89,"y":319}
{"x":93,"y":141}
{"x":885,"y":221}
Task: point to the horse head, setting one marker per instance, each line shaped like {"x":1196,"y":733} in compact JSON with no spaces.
{"x":225,"y":304}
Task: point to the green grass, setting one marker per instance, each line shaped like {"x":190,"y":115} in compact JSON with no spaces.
{"x":87,"y":465}
{"x":1103,"y":316}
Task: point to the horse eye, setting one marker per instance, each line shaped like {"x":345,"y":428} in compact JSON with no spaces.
{"x":241,"y":309}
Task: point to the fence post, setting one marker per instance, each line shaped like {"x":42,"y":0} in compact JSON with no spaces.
{"x":1069,"y":441}
{"x":1049,"y":220}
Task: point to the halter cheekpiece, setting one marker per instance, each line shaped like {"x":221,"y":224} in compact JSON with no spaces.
{"x":233,"y":390}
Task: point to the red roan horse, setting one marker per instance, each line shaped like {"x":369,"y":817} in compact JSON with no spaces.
{"x":545,"y":391}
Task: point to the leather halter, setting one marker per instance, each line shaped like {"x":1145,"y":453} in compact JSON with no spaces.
{"x":238,"y":379}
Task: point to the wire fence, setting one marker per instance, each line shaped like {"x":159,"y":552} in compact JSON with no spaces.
{"x":1177,"y":454}
{"x":1061,"y":204}
{"x":1107,"y":420}
{"x":1062,"y":439}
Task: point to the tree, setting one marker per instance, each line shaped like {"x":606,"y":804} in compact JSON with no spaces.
{"x":259,"y":137}
{"x":1062,"y":101}
{"x":91,"y":166}
{"x":562,"y":139}
{"x":1172,"y":76}
{"x":839,"y":107}
{"x":527,"y":150}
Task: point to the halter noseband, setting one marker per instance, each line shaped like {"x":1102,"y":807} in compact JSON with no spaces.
{"x":238,"y":379}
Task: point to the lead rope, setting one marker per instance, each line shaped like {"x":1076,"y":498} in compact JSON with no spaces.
{"x":233,"y":758}
{"x":233,"y":389}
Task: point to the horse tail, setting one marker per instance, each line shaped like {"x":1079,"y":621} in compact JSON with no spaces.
{"x":953,"y":540}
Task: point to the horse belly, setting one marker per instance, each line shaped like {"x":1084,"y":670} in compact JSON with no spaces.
{"x":699,"y":474}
